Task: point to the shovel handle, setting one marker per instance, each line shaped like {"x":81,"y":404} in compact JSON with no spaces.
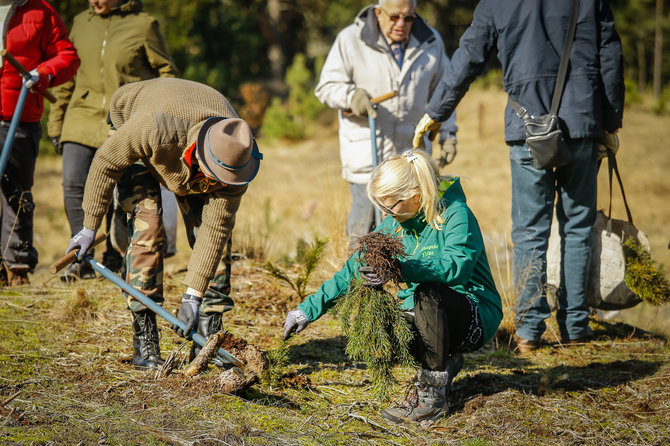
{"x":71,"y":256}
{"x":376,"y":100}
{"x":384,"y":97}
{"x":22,"y":70}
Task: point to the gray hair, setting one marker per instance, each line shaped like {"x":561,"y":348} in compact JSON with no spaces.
{"x":391,"y":3}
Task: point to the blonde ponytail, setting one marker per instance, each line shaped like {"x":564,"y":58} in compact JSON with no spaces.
{"x":403,"y":176}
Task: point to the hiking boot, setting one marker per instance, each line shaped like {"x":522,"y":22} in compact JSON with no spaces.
{"x":208,"y":324}
{"x":524,"y":346}
{"x":3,"y":275}
{"x":77,"y":271}
{"x":17,"y":276}
{"x":146,"y":349}
{"x":426,"y":399}
{"x":587,"y":337}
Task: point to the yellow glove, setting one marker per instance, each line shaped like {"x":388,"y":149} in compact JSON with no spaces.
{"x":425,"y":125}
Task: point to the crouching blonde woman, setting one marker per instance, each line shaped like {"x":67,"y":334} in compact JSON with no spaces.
{"x":450,"y":299}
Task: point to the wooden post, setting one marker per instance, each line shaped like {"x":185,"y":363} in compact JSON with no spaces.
{"x":480,"y":119}
{"x":658,"y":49}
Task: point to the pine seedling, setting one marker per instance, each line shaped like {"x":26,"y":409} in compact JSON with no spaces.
{"x":278,"y":360}
{"x":643,"y":276}
{"x":308,"y":257}
{"x":377,"y":332}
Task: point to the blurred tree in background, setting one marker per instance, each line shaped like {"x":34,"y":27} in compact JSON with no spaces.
{"x":244,"y":48}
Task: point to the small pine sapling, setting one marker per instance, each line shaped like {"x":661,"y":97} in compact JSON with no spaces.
{"x":278,"y":360}
{"x":308,"y":257}
{"x":378,"y":334}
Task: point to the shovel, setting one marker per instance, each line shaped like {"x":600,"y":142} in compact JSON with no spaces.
{"x":372,"y":122}
{"x":9,"y":140}
{"x":70,"y":257}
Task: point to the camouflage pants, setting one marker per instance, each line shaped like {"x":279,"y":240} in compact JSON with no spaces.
{"x":139,"y":195}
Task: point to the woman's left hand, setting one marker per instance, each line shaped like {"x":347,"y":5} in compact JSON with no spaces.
{"x":370,"y":276}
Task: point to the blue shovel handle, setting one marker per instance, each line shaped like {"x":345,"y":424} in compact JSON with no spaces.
{"x":9,"y":139}
{"x":372,"y":122}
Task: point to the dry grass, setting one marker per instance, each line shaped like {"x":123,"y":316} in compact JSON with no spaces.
{"x":79,"y":306}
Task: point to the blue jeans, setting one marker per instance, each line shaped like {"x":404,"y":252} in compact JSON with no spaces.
{"x":533,"y":191}
{"x":361,"y":215}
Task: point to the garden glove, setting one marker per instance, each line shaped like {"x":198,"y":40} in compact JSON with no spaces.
{"x":447,"y":151}
{"x":40,"y":80}
{"x":608,"y":141}
{"x":82,"y":240}
{"x":189,"y":313}
{"x":296,"y":321}
{"x":360,"y":104}
{"x":370,"y":276}
{"x":425,"y":125}
{"x":55,"y":141}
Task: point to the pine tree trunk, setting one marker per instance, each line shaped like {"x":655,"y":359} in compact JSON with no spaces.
{"x":641,"y":66}
{"x":658,"y":49}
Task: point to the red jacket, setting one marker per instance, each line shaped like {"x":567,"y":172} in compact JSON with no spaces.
{"x":35,"y":36}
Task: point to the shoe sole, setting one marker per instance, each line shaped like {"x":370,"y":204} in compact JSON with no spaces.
{"x":397,"y":420}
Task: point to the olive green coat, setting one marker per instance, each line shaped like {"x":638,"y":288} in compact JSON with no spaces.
{"x":115,"y":49}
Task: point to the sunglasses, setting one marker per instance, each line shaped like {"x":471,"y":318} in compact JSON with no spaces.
{"x":389,"y":210}
{"x":408,"y":18}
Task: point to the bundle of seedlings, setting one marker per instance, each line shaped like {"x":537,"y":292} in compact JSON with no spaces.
{"x":643,"y":276}
{"x":377,"y":332}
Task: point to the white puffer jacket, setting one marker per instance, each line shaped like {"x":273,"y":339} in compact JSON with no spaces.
{"x":361,"y":58}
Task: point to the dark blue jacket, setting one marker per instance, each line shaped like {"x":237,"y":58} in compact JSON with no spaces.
{"x":529,"y":36}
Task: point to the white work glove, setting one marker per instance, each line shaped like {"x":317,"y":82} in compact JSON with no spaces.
{"x":447,"y":151}
{"x":360,"y":104}
{"x":82,"y":240}
{"x":425,"y":125}
{"x":39,"y":80}
{"x":296,"y":321}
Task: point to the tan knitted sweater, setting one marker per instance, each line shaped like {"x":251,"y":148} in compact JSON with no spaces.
{"x":155,"y":121}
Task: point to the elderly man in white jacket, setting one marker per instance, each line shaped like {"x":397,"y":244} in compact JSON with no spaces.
{"x":388,"y":47}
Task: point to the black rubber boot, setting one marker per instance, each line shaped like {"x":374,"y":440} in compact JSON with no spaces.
{"x":112,"y":260}
{"x":146,"y":349}
{"x":208,"y":324}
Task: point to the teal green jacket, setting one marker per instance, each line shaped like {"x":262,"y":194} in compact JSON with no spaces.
{"x":454,"y":255}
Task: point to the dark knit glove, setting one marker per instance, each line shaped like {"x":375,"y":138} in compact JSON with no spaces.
{"x":189,"y":313}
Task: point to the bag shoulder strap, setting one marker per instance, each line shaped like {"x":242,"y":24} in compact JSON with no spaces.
{"x":613,"y":168}
{"x":562,"y":68}
{"x":565,"y":58}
